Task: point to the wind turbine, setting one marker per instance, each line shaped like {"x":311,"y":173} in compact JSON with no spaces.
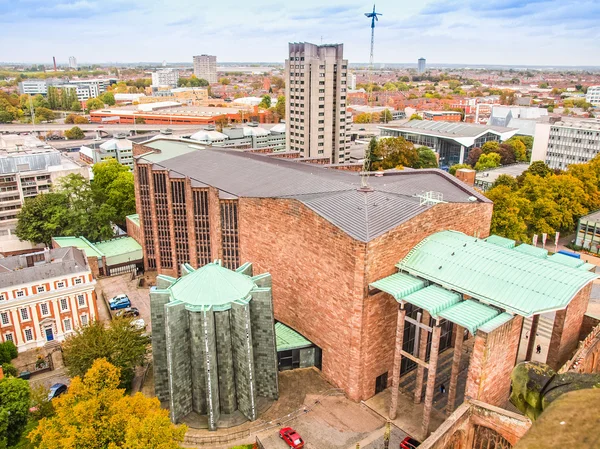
{"x":373,"y":16}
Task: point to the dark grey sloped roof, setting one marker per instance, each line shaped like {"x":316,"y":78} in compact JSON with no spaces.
{"x":333,"y":194}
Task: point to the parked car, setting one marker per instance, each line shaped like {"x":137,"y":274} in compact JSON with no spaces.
{"x":409,"y":443}
{"x":291,"y":438}
{"x":139,"y":323}
{"x":56,"y":390}
{"x":129,"y":312}
{"x":119,"y":302}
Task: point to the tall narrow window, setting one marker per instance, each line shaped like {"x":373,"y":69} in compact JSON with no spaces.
{"x":162,"y":220}
{"x":179,"y":208}
{"x":202,"y":226}
{"x":229,"y":233}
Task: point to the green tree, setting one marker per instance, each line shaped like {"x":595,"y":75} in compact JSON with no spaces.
{"x":8,"y":352}
{"x":6,"y":117}
{"x":75,"y":133}
{"x":224,"y":81}
{"x":265,"y":102}
{"x":108,"y":98}
{"x":43,"y":217}
{"x":123,"y":345}
{"x":114,"y":186}
{"x":452,"y":170}
{"x":519,"y":149}
{"x":386,"y":116}
{"x":506,"y":180}
{"x":197,"y":82}
{"x":95,"y":413}
{"x":94,"y":104}
{"x":44,"y":115}
{"x":510,"y":213}
{"x":53,"y":98}
{"x":76,"y":106}
{"x":487,"y":161}
{"x":415,"y":117}
{"x":427,"y":158}
{"x":280,"y":106}
{"x":490,"y":147}
{"x":543,"y":85}
{"x":537,"y":168}
{"x":9,"y":370}
{"x":395,"y":152}
{"x":14,"y":409}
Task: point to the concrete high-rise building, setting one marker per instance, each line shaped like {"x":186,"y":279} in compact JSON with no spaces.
{"x":73,"y":62}
{"x":315,"y":92}
{"x":205,"y":66}
{"x":422,"y":64}
{"x":593,"y":95}
{"x":352,"y":81}
{"x":165,"y":78}
{"x":214,"y":342}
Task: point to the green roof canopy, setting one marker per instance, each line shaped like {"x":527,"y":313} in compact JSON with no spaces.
{"x":495,"y":322}
{"x":399,"y":285}
{"x":566,"y":260}
{"x":501,"y":241}
{"x":288,"y":338}
{"x":79,"y":243}
{"x":534,"y":251}
{"x":469,"y":314}
{"x":511,"y":279}
{"x":434,"y":299}
{"x":212,"y":286}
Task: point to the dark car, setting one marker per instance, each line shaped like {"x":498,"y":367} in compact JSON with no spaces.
{"x":409,"y":443}
{"x":56,"y":390}
{"x":128,"y":312}
{"x":291,"y":438}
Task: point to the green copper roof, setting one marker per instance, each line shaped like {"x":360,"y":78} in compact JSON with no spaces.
{"x":120,"y":250}
{"x":496,"y":322}
{"x":212,"y":286}
{"x":288,"y":338}
{"x":469,"y":314}
{"x":566,"y":260}
{"x":399,"y":285}
{"x":510,"y":279}
{"x":500,"y":241}
{"x":79,"y":243}
{"x":534,"y":251}
{"x":587,"y":267}
{"x":135,"y":218}
{"x":434,"y":299}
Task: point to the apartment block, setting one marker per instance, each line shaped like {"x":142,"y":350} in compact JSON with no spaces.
{"x":86,"y":88}
{"x":315,"y":91}
{"x":421,"y":65}
{"x":566,"y":142}
{"x":205,"y":66}
{"x":165,"y":78}
{"x":118,"y":148}
{"x":593,"y":95}
{"x":45,"y":296}
{"x":73,"y":62}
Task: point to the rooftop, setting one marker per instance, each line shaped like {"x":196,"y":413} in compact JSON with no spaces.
{"x":117,"y":250}
{"x":24,"y":269}
{"x":334,"y":194}
{"x":449,"y":129}
{"x":288,"y":338}
{"x":592,"y":124}
{"x":490,"y":176}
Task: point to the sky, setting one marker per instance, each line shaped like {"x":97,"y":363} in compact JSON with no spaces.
{"x":504,"y":32}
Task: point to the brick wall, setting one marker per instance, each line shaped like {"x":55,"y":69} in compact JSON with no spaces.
{"x":492,"y":361}
{"x":567,"y":327}
{"x":133,"y":230}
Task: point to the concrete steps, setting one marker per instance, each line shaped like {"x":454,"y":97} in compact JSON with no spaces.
{"x":544,"y":327}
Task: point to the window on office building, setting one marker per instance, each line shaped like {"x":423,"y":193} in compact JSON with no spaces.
{"x":44,"y":309}
{"x":67,"y":325}
{"x":9,"y":337}
{"x":24,"y":314}
{"x":64,"y":304}
{"x":84,"y":320}
{"x":5,"y":319}
{"x":28,"y":335}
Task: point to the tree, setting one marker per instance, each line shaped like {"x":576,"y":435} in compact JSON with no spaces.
{"x":510,"y":209}
{"x":487,"y":161}
{"x":94,"y":104}
{"x":395,"y":152}
{"x":386,"y":116}
{"x":14,"y":409}
{"x":43,"y":217}
{"x":221,"y":122}
{"x":265,"y":102}
{"x":8,"y":369}
{"x":8,"y":351}
{"x":537,"y":168}
{"x":519,"y":148}
{"x":506,"y":180}
{"x":490,"y":147}
{"x":427,"y":158}
{"x":278,"y":82}
{"x":94,"y":413}
{"x":224,"y":81}
{"x":363,"y":117}
{"x":474,"y":155}
{"x":453,"y":169}
{"x":415,"y":117}
{"x":280,"y":106}
{"x":197,"y":82}
{"x":123,"y":345}
{"x":76,"y":106}
{"x":75,"y":133}
{"x":44,"y":115}
{"x":543,"y":86}
{"x":108,"y":98}
{"x":507,"y":154}
{"x":114,"y":186}
{"x":70,"y":119}
{"x":81,"y":120}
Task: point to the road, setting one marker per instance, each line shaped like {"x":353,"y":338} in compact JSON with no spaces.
{"x":109,"y":128}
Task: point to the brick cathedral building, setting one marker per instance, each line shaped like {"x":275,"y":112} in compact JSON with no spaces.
{"x":321,"y":237}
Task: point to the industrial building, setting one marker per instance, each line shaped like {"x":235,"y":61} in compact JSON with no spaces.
{"x":315,"y":92}
{"x":205,"y":67}
{"x":565,"y":142}
{"x":213,"y":343}
{"x":28,"y":167}
{"x":452,"y":141}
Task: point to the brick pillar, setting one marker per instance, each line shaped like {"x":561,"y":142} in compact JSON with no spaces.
{"x":191,"y":229}
{"x":422,"y":355}
{"x":458,"y":347}
{"x":214,"y":220}
{"x":431,"y":372}
{"x":532,"y":333}
{"x":397,"y":360}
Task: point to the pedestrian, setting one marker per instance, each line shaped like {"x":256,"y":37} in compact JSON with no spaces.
{"x":442,"y":388}
{"x":538,"y":350}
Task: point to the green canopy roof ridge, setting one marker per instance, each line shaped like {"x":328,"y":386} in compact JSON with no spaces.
{"x":433,"y":298}
{"x":399,"y":285}
{"x":470,"y":314}
{"x":287,"y":338}
{"x":501,"y":241}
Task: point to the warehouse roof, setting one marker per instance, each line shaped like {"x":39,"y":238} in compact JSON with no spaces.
{"x":334,"y":194}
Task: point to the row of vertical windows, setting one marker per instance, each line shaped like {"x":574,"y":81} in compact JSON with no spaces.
{"x":146,"y":212}
{"x":202,"y":226}
{"x":179,"y":222}
{"x":162,"y":220}
{"x":229,"y":233}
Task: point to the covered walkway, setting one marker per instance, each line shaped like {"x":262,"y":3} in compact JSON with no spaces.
{"x":481,"y":288}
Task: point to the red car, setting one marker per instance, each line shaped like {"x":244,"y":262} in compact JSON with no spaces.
{"x":409,"y":443}
{"x":291,"y":438}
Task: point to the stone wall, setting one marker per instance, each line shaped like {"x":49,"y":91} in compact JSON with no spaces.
{"x":209,"y":353}
{"x":263,"y":343}
{"x":587,"y":358}
{"x":198,"y":363}
{"x":243,"y":360}
{"x":158,"y":300}
{"x":492,"y":361}
{"x":227,"y":393}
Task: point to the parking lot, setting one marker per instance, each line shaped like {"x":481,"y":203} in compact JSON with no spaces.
{"x":122,"y":284}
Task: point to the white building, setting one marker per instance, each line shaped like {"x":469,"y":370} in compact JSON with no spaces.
{"x":45,"y":296}
{"x":569,"y":141}
{"x":86,"y":88}
{"x":205,"y":66}
{"x":593,"y":95}
{"x":165,"y":78}
{"x":28,"y":167}
{"x":72,"y":62}
{"x":352,"y":81}
{"x":118,"y":148}
{"x":315,"y":92}
{"x":244,"y":137}
{"x":421,"y":65}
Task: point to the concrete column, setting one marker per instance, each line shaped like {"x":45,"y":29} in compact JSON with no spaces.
{"x":433,"y":359}
{"x":397,"y":360}
{"x":458,"y":347}
{"x":532,"y":332}
{"x":422,"y":355}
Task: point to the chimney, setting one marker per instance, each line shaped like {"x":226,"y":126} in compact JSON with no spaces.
{"x":466,"y":175}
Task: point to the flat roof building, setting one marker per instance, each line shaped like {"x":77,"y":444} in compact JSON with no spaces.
{"x":593,"y":95}
{"x":205,"y":67}
{"x":165,"y":78}
{"x":485,"y":179}
{"x":452,"y":141}
{"x":118,"y":148}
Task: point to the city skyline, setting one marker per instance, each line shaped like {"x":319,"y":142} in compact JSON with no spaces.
{"x":534,"y":32}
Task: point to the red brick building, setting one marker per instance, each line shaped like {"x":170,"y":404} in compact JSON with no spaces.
{"x":322,"y":238}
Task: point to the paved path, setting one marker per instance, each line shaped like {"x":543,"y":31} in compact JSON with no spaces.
{"x":115,"y":285}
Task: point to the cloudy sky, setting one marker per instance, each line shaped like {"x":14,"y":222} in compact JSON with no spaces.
{"x":519,"y":32}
